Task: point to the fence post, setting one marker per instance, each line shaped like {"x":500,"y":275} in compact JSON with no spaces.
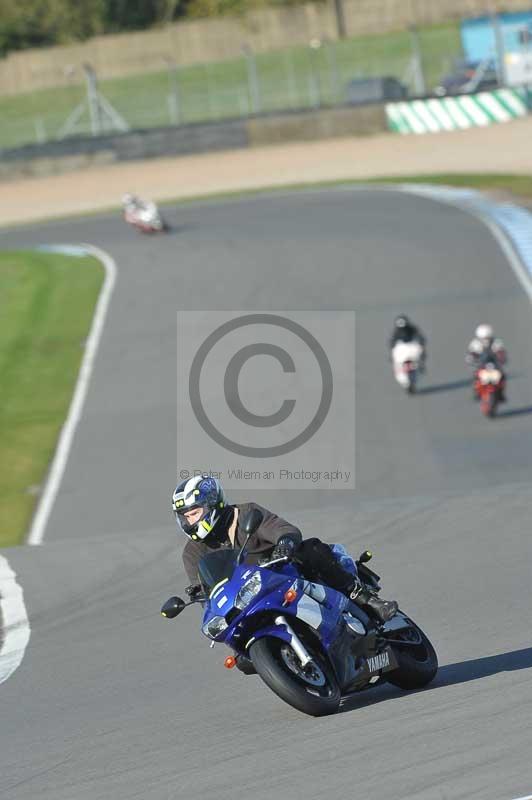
{"x":420,"y":86}
{"x":499,"y":46}
{"x":253,"y":79}
{"x":173,"y":93}
{"x":314,"y":47}
{"x":211,"y":96}
{"x":334,"y":74}
{"x":92,"y":100}
{"x":291,"y":78}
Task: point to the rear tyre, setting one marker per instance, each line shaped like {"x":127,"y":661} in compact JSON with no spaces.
{"x":417,"y":659}
{"x":312,"y":689}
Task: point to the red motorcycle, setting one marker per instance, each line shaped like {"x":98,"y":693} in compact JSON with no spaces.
{"x":489,"y":387}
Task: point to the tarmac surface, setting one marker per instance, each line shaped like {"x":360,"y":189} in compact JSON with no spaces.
{"x":111,"y":700}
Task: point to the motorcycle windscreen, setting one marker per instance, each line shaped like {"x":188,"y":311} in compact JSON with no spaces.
{"x":216,"y":567}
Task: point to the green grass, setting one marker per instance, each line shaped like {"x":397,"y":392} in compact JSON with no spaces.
{"x":294,"y":78}
{"x":518,"y":185}
{"x":46,"y":307}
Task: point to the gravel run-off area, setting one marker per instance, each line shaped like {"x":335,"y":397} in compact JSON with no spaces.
{"x":503,"y":148}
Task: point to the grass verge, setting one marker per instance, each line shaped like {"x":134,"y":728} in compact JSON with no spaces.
{"x":518,"y":185}
{"x":46,"y":306}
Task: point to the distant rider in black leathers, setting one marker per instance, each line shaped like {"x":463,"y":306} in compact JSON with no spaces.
{"x":404,"y":330}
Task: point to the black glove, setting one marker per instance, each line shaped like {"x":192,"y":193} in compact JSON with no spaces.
{"x":194,"y":590}
{"x":284,"y":548}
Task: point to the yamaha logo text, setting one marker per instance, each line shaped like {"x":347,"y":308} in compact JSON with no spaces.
{"x":376,"y":663}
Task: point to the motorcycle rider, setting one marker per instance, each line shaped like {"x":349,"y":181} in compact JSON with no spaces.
{"x":404,"y":330}
{"x":209,"y":522}
{"x":484,"y":347}
{"x":132,"y":202}
{"x":485,"y":340}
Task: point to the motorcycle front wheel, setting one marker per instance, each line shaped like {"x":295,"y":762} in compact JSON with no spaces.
{"x":489,"y":405}
{"x":312,"y":689}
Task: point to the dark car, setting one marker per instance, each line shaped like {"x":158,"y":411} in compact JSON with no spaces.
{"x":375,"y":90}
{"x":469,"y":77}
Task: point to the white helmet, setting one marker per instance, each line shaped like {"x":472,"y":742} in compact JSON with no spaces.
{"x":484,"y":332}
{"x":200,"y":491}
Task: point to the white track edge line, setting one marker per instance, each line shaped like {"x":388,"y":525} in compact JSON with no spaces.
{"x":516,"y":263}
{"x":501,"y":235}
{"x":15,"y":623}
{"x":57,"y":468}
{"x":528,"y":797}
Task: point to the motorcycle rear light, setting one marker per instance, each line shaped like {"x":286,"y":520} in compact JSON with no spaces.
{"x":289,"y":596}
{"x":230,"y":662}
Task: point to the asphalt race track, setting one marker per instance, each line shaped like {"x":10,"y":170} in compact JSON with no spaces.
{"x":111,"y":701}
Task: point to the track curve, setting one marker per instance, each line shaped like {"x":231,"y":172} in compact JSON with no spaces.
{"x":138,"y":707}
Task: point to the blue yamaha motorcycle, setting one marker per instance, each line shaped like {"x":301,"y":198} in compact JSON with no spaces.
{"x":309,"y":643}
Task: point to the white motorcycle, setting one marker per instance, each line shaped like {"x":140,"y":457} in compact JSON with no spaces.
{"x":407,"y":358}
{"x":143,"y":215}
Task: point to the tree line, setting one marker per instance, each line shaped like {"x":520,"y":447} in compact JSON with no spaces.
{"x":43,"y":23}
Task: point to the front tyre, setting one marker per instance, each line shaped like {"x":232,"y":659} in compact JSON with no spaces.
{"x":417,"y":659}
{"x":312,"y":689}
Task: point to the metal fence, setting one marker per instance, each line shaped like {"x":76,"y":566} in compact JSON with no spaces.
{"x":315,"y":76}
{"x":312,"y":76}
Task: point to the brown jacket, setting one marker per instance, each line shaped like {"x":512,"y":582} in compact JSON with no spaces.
{"x":264,"y":539}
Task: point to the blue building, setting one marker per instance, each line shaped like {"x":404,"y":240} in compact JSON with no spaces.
{"x":479,"y":35}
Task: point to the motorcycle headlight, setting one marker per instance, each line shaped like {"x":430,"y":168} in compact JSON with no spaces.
{"x":214,"y":627}
{"x":249,"y":590}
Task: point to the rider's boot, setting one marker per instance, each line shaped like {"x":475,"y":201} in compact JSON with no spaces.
{"x":362,"y":596}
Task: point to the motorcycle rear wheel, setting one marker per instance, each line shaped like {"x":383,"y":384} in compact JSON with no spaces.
{"x":312,"y":690}
{"x":418,"y":662}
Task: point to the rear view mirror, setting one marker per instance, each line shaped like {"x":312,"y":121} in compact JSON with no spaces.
{"x":249,"y":525}
{"x":251,"y":522}
{"x":173,"y":607}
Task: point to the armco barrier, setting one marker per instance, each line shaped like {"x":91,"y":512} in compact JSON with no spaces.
{"x":458,"y":113}
{"x":81,"y":152}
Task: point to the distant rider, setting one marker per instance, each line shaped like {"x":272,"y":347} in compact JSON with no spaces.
{"x":484,"y":340}
{"x":209,"y":522}
{"x":131,"y":202}
{"x":485,"y":348}
{"x":405,"y":331}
